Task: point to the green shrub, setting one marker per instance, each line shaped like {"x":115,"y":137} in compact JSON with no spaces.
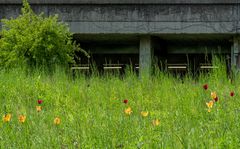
{"x":35,"y":41}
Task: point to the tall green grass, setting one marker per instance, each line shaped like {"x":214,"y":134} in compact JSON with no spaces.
{"x":92,"y":115}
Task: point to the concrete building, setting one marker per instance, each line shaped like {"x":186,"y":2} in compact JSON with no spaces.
{"x":172,"y":33}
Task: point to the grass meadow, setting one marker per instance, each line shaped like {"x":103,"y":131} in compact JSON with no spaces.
{"x":113,"y":112}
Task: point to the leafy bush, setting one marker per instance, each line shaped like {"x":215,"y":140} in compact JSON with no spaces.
{"x":35,"y":41}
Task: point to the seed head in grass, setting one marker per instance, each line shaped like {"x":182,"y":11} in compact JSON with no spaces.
{"x":144,"y":113}
{"x":7,"y":117}
{"x":128,"y":111}
{"x":40,"y":101}
{"x":156,"y":122}
{"x":57,"y":121}
{"x":39,"y":108}
{"x":205,"y":86}
{"x":213,"y":95}
{"x":209,"y":104}
{"x":125,"y":101}
{"x":231,"y":93}
{"x":21,"y":118}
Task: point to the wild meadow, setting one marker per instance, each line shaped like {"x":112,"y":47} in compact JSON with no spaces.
{"x":57,"y":111}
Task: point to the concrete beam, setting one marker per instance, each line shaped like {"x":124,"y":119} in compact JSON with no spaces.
{"x":154,"y":27}
{"x":205,"y":49}
{"x":145,"y":56}
{"x":122,"y":1}
{"x":113,"y":50}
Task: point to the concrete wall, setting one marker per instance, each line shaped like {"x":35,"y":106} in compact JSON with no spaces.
{"x":138,"y":17}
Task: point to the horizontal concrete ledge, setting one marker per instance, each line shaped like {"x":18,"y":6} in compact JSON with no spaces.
{"x":153,"y":27}
{"x":123,"y":1}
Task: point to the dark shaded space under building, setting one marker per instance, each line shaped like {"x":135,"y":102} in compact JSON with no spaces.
{"x":175,"y":53}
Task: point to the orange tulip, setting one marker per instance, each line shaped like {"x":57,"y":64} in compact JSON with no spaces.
{"x":57,"y":121}
{"x":21,"y":118}
{"x":213,"y":95}
{"x":7,"y":118}
{"x":38,"y":108}
{"x":156,"y":122}
{"x":144,"y":113}
{"x":128,"y":111}
{"x":210,"y":104}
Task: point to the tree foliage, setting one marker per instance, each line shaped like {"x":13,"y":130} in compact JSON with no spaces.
{"x":35,"y":40}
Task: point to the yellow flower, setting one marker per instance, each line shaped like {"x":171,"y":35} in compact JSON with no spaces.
{"x":156,"y":122}
{"x":21,"y":118}
{"x":57,"y":121}
{"x":213,"y":95}
{"x":38,"y":108}
{"x":7,"y":117}
{"x":210,"y":104}
{"x":144,"y":113}
{"x":128,"y":111}
{"x":209,"y":110}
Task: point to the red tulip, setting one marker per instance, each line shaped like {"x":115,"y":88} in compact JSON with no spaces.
{"x":216,"y":99}
{"x":205,"y":86}
{"x":125,"y":101}
{"x":40,"y":101}
{"x":232,"y":93}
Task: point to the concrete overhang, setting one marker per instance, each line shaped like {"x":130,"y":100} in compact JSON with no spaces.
{"x":137,"y":16}
{"x":122,"y":1}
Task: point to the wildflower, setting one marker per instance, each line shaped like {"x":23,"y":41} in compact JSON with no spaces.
{"x":40,"y":101}
{"x":213,"y":95}
{"x":38,"y":108}
{"x":7,"y":117}
{"x":232,"y":93}
{"x":21,"y":118}
{"x":216,"y":99}
{"x":209,"y":110}
{"x":57,"y":121}
{"x":128,"y":111}
{"x":125,"y":101}
{"x":156,"y":122}
{"x":205,"y":86}
{"x":210,"y":104}
{"x":144,"y":114}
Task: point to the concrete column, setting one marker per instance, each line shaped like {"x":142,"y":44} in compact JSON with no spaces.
{"x":145,"y":56}
{"x":235,"y":53}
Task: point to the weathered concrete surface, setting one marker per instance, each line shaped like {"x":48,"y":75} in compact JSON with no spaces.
{"x":122,"y":1}
{"x":153,"y":27}
{"x":154,"y":17}
{"x":145,"y":56}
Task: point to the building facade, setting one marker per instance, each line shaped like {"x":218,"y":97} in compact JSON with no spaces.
{"x":173,"y":34}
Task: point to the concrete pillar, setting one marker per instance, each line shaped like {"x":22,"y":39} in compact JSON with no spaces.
{"x":235,"y":53}
{"x":145,"y":56}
